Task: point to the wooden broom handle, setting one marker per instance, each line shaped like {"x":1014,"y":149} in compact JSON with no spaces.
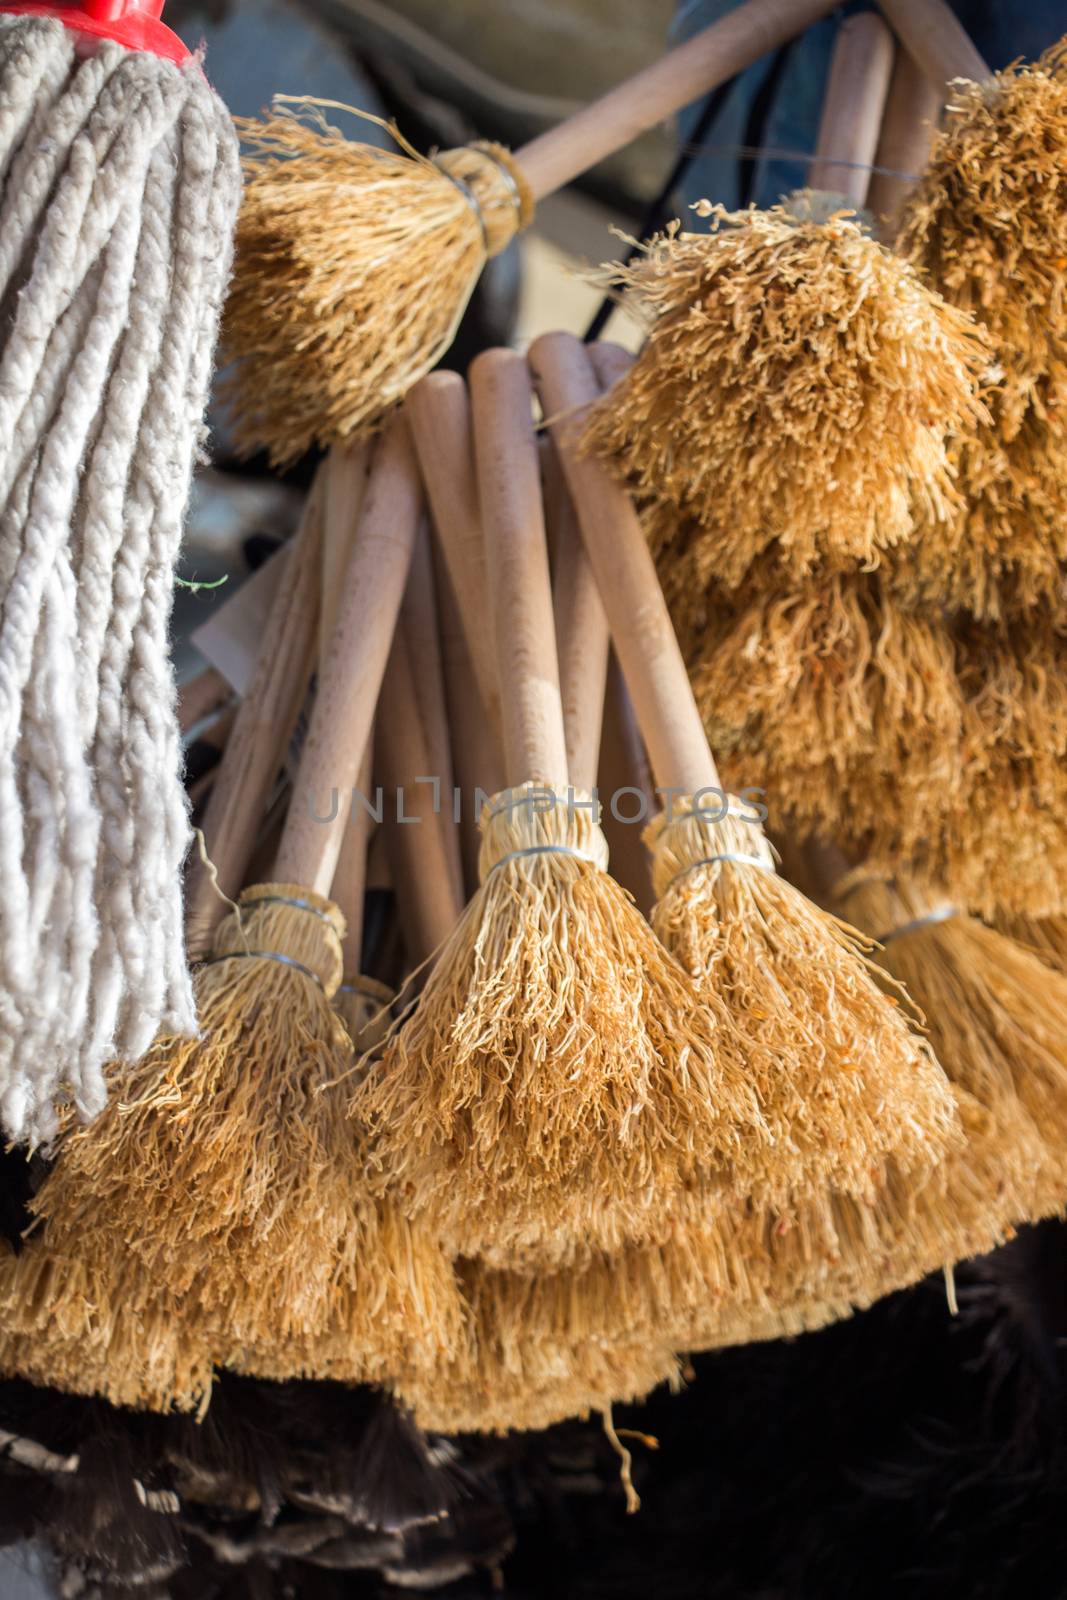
{"x":860,"y":69}
{"x":440,"y":414}
{"x":583,"y":642}
{"x":423,"y":855}
{"x":909,"y":124}
{"x":349,"y":684}
{"x":520,"y":587}
{"x":346,"y":469}
{"x":934,"y":36}
{"x":727,"y":47}
{"x":346,"y":472}
{"x":422,"y":639}
{"x":476,"y":758}
{"x":262,"y":728}
{"x":349,"y":888}
{"x":640,"y":623}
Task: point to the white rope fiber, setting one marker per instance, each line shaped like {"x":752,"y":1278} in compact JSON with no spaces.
{"x":119,"y":186}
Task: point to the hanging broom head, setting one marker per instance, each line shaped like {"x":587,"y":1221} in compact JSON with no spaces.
{"x":835,"y":700}
{"x":711,"y":1281}
{"x":99,"y":1326}
{"x":560,"y":1080}
{"x":354,"y":267}
{"x":986,"y":226}
{"x":794,"y":393}
{"x":395,"y":1300}
{"x":997,"y":1017}
{"x":1000,"y":847}
{"x":219,"y":1164}
{"x":842,"y":1078}
{"x":510,"y":1376}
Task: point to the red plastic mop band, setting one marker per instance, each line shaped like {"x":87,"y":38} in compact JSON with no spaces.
{"x":133,"y":23}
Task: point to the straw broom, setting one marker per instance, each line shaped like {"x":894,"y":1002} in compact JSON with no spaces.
{"x":272,"y":1214}
{"x":842,"y":1080}
{"x":821,"y":686}
{"x":510,"y":1372}
{"x":998,"y":1021}
{"x":361,"y":1001}
{"x":560,"y":1080}
{"x":987,"y":226}
{"x":382,"y":1314}
{"x":364,"y":298}
{"x":798,"y":382}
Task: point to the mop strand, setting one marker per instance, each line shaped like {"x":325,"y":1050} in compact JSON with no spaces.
{"x":119,"y":184}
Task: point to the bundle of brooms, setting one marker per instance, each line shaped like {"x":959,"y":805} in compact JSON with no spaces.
{"x":856,"y":1183}
{"x":877,"y":720}
{"x":833,"y":1250}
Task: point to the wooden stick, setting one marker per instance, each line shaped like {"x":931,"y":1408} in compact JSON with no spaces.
{"x":728,"y":46}
{"x":349,"y":887}
{"x":346,"y":469}
{"x":582,"y":639}
{"x":422,"y":638}
{"x":262,"y":729}
{"x":852,"y":111}
{"x":477,"y":763}
{"x":909,"y":126}
{"x":439,"y":409}
{"x":346,"y":475}
{"x":520,"y":586}
{"x":626,"y":573}
{"x":934,"y":37}
{"x":352,"y":677}
{"x":624,"y":765}
{"x":200,"y":697}
{"x":423,"y":855}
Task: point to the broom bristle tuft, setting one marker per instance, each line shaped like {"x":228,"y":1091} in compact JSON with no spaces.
{"x":795,"y":391}
{"x":354,"y":266}
{"x":986,"y":225}
{"x":560,"y":1079}
{"x":842,"y":1078}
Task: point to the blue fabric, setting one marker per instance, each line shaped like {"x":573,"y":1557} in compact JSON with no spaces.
{"x":1002,"y":31}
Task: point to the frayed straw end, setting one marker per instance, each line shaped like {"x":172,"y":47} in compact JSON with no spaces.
{"x":354,"y":267}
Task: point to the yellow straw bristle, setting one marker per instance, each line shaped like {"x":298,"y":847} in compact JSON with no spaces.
{"x":560,"y":1079}
{"x":230,"y":1171}
{"x":99,"y":1328}
{"x":835,"y":701}
{"x":509,"y":1376}
{"x":842,"y":1078}
{"x":795,"y":391}
{"x":997,"y":1018}
{"x":354,"y":266}
{"x":1002,"y":844}
{"x":218,"y":1161}
{"x":987,"y":227}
